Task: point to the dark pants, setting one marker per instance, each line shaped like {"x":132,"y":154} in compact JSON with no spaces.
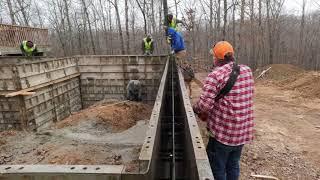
{"x":224,"y":160}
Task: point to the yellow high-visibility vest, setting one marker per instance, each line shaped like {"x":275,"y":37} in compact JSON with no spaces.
{"x":27,"y":49}
{"x":147,"y":45}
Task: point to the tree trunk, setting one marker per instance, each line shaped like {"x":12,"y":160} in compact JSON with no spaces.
{"x":127,"y":25}
{"x":133,"y":23}
{"x":110,"y":28}
{"x":253,"y":39}
{"x":23,"y":11}
{"x":234,"y":24}
{"x":13,"y":21}
{"x":104,"y":20}
{"x":225,"y":19}
{"x":39,"y":16}
{"x":176,"y":7}
{"x":165,"y":12}
{"x":301,"y":36}
{"x":240,"y":50}
{"x":143,"y":11}
{"x":218,"y":20}
{"x":153,"y":21}
{"x":115,"y":4}
{"x":269,"y":33}
{"x":66,"y":7}
{"x":85,"y":9}
{"x":211,"y":21}
{"x":97,"y":31}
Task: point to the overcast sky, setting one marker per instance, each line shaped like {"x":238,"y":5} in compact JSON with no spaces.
{"x":290,"y":6}
{"x":294,"y":6}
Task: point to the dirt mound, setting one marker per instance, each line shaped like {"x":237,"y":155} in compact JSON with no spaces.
{"x":125,"y":115}
{"x":117,"y":116}
{"x":280,"y":72}
{"x":289,"y":77}
{"x":308,"y":85}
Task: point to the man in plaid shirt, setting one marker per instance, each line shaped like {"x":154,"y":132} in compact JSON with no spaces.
{"x":230,"y":118}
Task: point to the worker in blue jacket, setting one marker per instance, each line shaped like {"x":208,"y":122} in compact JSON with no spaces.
{"x":176,"y":42}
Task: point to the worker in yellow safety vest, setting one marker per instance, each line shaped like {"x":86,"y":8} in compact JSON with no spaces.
{"x":147,"y":45}
{"x":172,"y":22}
{"x":28,"y":48}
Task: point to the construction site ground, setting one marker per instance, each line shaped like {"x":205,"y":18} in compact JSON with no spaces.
{"x":287,"y":125}
{"x":108,"y":133}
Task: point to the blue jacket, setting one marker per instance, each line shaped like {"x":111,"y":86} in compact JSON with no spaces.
{"x":177,"y":43}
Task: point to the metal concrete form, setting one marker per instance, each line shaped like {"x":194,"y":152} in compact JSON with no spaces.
{"x":189,"y":160}
{"x":106,"y":77}
{"x":60,"y":86}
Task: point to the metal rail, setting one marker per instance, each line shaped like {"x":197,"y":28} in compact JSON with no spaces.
{"x":173,"y":148}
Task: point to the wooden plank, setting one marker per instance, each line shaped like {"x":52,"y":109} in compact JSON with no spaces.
{"x":27,"y":93}
{"x":42,"y":85}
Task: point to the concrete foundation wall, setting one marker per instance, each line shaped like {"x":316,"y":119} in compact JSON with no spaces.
{"x":106,"y":77}
{"x":9,"y":113}
{"x":65,"y":85}
{"x":53,"y":103}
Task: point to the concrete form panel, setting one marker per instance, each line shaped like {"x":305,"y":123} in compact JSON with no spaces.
{"x":104,"y":77}
{"x":101,"y":77}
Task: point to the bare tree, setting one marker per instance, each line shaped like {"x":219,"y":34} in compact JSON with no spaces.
{"x":302,"y":29}
{"x":116,"y":7}
{"x":40,"y":16}
{"x":218,"y":23}
{"x":242,"y":12}
{"x":211,"y":21}
{"x":23,"y":8}
{"x":225,"y":18}
{"x":253,"y":39}
{"x":11,"y":12}
{"x":153,"y":20}
{"x":87,"y":17}
{"x":127,"y":25}
{"x":142,"y":7}
{"x":67,"y":15}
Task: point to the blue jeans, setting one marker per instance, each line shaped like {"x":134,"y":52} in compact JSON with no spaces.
{"x":224,"y":160}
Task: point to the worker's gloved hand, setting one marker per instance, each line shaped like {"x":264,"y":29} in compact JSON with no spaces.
{"x":202,"y":115}
{"x":169,"y":40}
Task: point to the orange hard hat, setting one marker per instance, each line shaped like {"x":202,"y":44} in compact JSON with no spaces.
{"x":222,"y":48}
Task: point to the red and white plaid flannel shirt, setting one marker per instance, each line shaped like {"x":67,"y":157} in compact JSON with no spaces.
{"x":230,"y":119}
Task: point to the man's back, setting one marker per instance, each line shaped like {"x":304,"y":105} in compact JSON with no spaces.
{"x":231,"y":117}
{"x":134,"y":90}
{"x":177,"y":42}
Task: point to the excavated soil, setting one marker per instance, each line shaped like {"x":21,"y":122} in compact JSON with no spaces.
{"x":108,"y":133}
{"x":287,"y":131}
{"x":117,"y":116}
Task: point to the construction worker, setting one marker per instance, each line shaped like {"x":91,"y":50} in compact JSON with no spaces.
{"x":28,"y":48}
{"x":173,"y":22}
{"x":188,"y":75}
{"x":147,"y":45}
{"x":134,"y":90}
{"x":226,"y":104}
{"x":176,"y":42}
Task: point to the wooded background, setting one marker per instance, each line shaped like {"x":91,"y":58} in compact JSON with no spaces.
{"x":260,"y":30}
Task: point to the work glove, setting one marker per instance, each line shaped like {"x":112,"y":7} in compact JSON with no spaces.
{"x":169,"y":40}
{"x":203,"y":116}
